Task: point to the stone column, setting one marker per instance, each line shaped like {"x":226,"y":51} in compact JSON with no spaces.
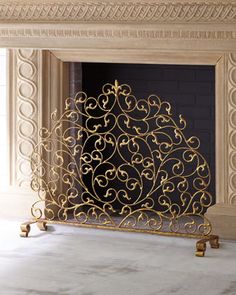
{"x":37,"y":86}
{"x":223,"y":214}
{"x":25,"y":89}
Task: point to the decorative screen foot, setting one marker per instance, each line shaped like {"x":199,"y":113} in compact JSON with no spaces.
{"x":42,"y":225}
{"x":201,"y":245}
{"x":214,"y":242}
{"x":25,"y":227}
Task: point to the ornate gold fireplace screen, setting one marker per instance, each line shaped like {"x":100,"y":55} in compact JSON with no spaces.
{"x":118,"y":162}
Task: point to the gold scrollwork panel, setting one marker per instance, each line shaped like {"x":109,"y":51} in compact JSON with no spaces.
{"x":137,"y":169}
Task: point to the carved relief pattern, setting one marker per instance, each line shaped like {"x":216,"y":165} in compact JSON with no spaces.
{"x":118,"y":33}
{"x":122,"y":11}
{"x":26,"y":112}
{"x":232,"y":126}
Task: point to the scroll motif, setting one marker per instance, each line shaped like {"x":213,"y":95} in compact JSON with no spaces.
{"x":113,"y":11}
{"x":124,"y":163}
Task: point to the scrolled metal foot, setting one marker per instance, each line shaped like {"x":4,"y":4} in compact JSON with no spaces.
{"x":42,"y":225}
{"x":25,"y":229}
{"x":200,"y":248}
{"x":201,"y":245}
{"x":214,"y":242}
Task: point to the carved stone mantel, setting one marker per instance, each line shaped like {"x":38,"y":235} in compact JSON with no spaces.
{"x":204,"y":25}
{"x":155,"y":11}
{"x":149,"y":31}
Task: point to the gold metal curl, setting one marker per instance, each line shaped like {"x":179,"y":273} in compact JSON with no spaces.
{"x":121,"y":162}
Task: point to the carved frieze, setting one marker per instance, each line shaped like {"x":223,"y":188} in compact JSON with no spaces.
{"x":89,"y":21}
{"x":114,"y":11}
{"x":72,"y":32}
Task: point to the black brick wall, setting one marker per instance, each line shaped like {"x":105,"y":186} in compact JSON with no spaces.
{"x":189,"y":89}
{"x":75,"y":78}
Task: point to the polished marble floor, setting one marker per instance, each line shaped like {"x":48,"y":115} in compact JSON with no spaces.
{"x":75,"y":261}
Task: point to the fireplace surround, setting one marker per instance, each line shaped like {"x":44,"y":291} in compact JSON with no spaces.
{"x":43,"y":38}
